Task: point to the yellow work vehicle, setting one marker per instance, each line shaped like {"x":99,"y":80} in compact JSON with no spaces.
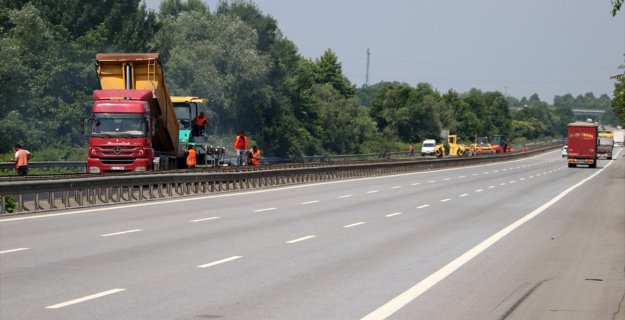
{"x":452,"y":148}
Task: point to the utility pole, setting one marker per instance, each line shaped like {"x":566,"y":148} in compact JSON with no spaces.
{"x":367,"y":74}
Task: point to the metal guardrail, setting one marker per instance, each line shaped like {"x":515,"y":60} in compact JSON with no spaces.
{"x":46,"y":164}
{"x":48,"y":195}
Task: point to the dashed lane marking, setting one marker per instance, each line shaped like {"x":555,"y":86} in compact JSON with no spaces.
{"x":13,"y":250}
{"x":300,"y":239}
{"x":83,"y":299}
{"x":214,"y":263}
{"x":121,"y":232}
{"x":354,"y":224}
{"x":204,"y":219}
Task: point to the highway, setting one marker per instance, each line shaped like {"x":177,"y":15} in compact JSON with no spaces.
{"x":524,"y":239}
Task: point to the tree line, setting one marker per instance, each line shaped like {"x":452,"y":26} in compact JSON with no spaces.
{"x":254,"y":77}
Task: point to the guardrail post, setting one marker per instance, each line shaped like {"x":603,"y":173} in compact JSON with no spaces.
{"x":51,"y":200}
{"x":65,"y":198}
{"x":2,"y":205}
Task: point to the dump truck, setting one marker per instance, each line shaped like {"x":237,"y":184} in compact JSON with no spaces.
{"x":582,"y":138}
{"x":133,"y":122}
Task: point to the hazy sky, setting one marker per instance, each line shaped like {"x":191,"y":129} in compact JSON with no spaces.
{"x":549,"y":47}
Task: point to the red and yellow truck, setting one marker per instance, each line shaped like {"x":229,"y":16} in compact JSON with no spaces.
{"x":133,"y":122}
{"x":582,"y":144}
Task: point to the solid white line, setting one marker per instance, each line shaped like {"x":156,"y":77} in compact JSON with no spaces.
{"x":353,"y":224}
{"x":121,"y":232}
{"x":464,"y":195}
{"x":396,"y":187}
{"x":309,"y":202}
{"x":479,"y":190}
{"x":300,"y":239}
{"x":445,"y":200}
{"x":214,"y":263}
{"x":198,"y":220}
{"x":116,"y":208}
{"x":423,"y":206}
{"x":373,"y":191}
{"x":83,"y":299}
{"x":13,"y":250}
{"x":393,"y":214}
{"x":345,"y":196}
{"x":409,"y":295}
{"x":266,"y":209}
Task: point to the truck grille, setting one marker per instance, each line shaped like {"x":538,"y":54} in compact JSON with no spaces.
{"x":117,"y":161}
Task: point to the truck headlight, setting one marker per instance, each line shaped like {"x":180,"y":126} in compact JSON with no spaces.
{"x":140,"y":169}
{"x":94,"y":170}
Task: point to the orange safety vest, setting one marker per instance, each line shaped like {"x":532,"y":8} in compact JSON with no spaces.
{"x":200,"y":121}
{"x":255,"y":159}
{"x":191,"y":157}
{"x":240,"y":142}
{"x":22,"y":158}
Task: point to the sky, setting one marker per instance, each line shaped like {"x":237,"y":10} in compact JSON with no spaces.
{"x":548,"y":47}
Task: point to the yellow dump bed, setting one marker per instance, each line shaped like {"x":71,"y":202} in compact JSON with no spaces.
{"x":145,"y":74}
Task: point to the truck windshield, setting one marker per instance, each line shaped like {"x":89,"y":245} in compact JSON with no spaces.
{"x":118,"y":125}
{"x":183,"y":113}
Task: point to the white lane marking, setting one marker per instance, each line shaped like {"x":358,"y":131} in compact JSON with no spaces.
{"x":475,"y":174}
{"x":479,"y":190}
{"x":491,"y":187}
{"x":487,"y":172}
{"x":502,"y":184}
{"x":431,"y":181}
{"x":121,"y":232}
{"x":531,"y":177}
{"x":300,"y":239}
{"x":393,"y":214}
{"x":396,"y":187}
{"x":345,"y":196}
{"x":423,"y":206}
{"x":373,"y":191}
{"x":522,"y":179}
{"x":117,"y":208}
{"x":310,"y":202}
{"x":495,"y":171}
{"x":354,"y":224}
{"x":445,"y":200}
{"x":464,"y":195}
{"x":13,"y":250}
{"x":415,"y":184}
{"x":214,"y":263}
{"x":424,"y":285}
{"x":511,"y":181}
{"x":266,"y":209}
{"x":204,"y":219}
{"x":460,"y":177}
{"x":83,"y":299}
{"x":446,"y":179}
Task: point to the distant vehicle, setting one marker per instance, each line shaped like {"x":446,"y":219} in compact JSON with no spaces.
{"x":564,"y":151}
{"x":619,"y":137}
{"x":606,"y":145}
{"x":582,"y":144}
{"x":427,"y":148}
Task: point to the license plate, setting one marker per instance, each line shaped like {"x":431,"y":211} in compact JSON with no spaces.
{"x":117,"y":168}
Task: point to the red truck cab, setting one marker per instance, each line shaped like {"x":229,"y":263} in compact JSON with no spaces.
{"x":121,"y":131}
{"x":582,"y":144}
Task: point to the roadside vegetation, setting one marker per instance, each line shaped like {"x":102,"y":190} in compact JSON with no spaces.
{"x":255,"y":80}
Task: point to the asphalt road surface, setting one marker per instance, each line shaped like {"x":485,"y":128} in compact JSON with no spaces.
{"x":526,"y":239}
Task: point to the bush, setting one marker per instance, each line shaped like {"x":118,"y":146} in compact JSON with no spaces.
{"x":9,"y":204}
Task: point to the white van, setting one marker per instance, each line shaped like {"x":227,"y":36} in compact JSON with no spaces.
{"x":427,"y":148}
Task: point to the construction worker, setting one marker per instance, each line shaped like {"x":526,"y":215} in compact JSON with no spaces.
{"x":21,"y":160}
{"x":199,"y":123}
{"x":411,"y":149}
{"x":191,"y":157}
{"x":254,"y":156}
{"x":240,"y":145}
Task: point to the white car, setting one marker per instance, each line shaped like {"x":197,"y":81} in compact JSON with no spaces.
{"x":565,"y":151}
{"x":427,"y":148}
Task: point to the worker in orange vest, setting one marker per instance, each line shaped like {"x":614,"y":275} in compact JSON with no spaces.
{"x":191,"y":158}
{"x":200,"y":123}
{"x":21,"y":160}
{"x":240,"y":145}
{"x":254,"y":156}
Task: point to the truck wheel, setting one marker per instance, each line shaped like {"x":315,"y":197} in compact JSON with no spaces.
{"x":572,"y":165}
{"x":610,"y":158}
